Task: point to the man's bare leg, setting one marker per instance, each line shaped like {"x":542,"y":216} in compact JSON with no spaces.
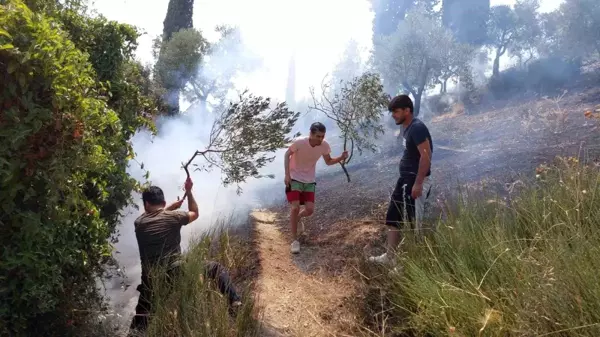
{"x":308,"y":210}
{"x":393,"y":240}
{"x":294,"y":217}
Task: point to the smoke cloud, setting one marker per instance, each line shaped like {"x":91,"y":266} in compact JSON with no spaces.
{"x":177,"y":140}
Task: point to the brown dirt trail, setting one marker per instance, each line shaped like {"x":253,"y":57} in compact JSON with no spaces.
{"x":296,"y":295}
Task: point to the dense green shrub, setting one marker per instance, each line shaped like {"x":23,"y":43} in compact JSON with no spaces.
{"x":64,"y":152}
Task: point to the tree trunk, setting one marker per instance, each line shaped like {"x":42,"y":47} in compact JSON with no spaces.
{"x":417,"y":105}
{"x":172,"y":101}
{"x":179,"y":16}
{"x":496,"y":69}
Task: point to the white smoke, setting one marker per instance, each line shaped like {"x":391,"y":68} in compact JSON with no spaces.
{"x":272,"y":37}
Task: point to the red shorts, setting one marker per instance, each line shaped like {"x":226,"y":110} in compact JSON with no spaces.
{"x":301,"y":192}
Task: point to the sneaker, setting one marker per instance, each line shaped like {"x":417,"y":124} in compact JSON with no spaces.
{"x":295,"y":247}
{"x":396,"y":271}
{"x":383,"y":259}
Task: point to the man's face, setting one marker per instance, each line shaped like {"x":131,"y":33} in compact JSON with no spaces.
{"x":400,"y":115}
{"x":316,"y":138}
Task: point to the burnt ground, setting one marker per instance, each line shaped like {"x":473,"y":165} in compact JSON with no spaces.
{"x":497,"y":147}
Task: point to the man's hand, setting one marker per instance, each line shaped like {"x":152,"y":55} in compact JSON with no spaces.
{"x":417,"y":191}
{"x":287,"y":180}
{"x":188,"y":185}
{"x":344,"y":156}
{"x":175,"y":205}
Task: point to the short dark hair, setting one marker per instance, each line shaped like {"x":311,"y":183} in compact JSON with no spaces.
{"x":317,"y":127}
{"x":401,"y":102}
{"x":153,"y":195}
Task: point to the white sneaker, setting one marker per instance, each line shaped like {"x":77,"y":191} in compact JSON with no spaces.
{"x":383,"y":258}
{"x":295,"y":247}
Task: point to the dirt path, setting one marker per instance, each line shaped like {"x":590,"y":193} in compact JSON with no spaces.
{"x":296,"y":296}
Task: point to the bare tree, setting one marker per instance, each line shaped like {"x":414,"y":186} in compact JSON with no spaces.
{"x":242,"y":137}
{"x":357,"y":109}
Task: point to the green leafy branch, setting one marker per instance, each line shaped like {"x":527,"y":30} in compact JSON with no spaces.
{"x":242,"y":137}
{"x":357,"y":109}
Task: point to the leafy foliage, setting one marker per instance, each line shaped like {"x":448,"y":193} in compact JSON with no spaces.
{"x":514,"y":30}
{"x":202,"y":69}
{"x":69,"y":108}
{"x":529,"y":31}
{"x":242,"y":136}
{"x":179,"y":61}
{"x":349,"y":67}
{"x":456,"y":62}
{"x":412,"y":57}
{"x":179,"y":18}
{"x":356,"y":108}
{"x":578,"y":29}
{"x":467,"y":19}
{"x":225,"y":59}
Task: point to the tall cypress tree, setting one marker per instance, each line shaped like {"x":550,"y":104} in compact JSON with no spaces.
{"x":179,"y":16}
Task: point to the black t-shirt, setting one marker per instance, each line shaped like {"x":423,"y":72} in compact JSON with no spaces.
{"x":415,"y":134}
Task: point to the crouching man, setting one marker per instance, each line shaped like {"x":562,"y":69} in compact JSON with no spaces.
{"x":158,"y":235}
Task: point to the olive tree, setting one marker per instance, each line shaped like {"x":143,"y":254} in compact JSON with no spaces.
{"x":356,"y":107}
{"x":411,"y":58}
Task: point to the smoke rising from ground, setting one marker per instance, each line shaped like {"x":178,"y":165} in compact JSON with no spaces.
{"x":177,"y":140}
{"x":180,"y":137}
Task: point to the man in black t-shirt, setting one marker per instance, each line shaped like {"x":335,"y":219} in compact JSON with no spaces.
{"x":412,"y":189}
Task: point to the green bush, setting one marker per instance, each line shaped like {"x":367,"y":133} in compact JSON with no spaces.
{"x":529,"y":268}
{"x":63,"y":179}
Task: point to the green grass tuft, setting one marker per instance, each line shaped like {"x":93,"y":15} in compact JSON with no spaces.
{"x":528,"y":267}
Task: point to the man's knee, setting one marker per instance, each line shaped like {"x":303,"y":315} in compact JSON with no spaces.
{"x":309,"y":209}
{"x":295,"y":207}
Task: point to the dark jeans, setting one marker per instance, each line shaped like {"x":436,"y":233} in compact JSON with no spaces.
{"x":213,"y":270}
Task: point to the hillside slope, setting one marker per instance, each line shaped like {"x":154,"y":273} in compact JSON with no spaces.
{"x":494,"y":147}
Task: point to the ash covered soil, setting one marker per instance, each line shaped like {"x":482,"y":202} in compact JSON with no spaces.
{"x":319,"y":292}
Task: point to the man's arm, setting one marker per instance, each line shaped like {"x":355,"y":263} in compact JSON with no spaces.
{"x":286,"y":162}
{"x":424,"y":162}
{"x":332,"y":161}
{"x":192,"y":207}
{"x":175,"y":205}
